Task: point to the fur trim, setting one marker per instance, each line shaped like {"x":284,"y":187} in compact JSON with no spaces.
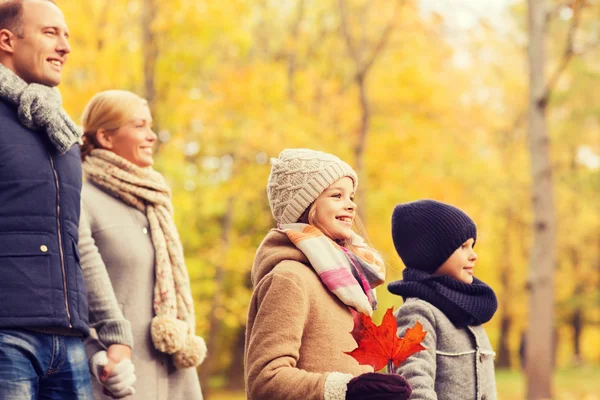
{"x":336,"y":385}
{"x":193,"y":353}
{"x":168,"y":334}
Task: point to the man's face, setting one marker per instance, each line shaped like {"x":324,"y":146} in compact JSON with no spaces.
{"x":41,"y":51}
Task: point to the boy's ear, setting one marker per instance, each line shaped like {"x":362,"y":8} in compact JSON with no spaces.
{"x":7,"y":41}
{"x":104,"y":139}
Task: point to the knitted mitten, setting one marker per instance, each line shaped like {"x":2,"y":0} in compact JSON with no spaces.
{"x":374,"y":386}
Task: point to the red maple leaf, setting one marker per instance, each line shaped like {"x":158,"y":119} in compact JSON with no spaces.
{"x":379,"y":346}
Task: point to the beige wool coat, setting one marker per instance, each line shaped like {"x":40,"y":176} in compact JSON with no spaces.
{"x":297,"y":329}
{"x":116,"y":236}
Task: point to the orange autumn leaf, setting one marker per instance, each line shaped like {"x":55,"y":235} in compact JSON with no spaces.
{"x":379,"y":346}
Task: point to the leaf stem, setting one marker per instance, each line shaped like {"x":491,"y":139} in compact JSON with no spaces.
{"x":390,"y":367}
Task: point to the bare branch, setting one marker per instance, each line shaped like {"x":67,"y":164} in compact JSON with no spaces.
{"x":555,"y":12}
{"x":291,"y":65}
{"x":382,"y":40}
{"x":567,"y":53}
{"x":347,"y":35}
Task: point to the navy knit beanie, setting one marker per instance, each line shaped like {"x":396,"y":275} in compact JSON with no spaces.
{"x":427,"y":232}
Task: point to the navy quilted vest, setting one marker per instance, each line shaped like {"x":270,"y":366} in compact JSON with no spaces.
{"x":41,"y":282}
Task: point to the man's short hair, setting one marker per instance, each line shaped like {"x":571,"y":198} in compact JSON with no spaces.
{"x":11,"y":15}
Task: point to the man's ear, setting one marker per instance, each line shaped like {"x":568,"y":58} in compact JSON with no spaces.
{"x":7,"y":41}
{"x":104,"y":139}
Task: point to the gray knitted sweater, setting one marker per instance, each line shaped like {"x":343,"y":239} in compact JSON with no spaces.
{"x":458,"y":363}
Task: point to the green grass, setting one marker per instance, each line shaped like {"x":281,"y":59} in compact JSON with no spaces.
{"x":581,"y":383}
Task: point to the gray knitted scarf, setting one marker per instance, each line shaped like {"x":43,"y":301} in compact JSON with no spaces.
{"x":39,"y":109}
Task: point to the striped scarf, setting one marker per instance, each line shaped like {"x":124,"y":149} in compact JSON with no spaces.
{"x":351,"y":276}
{"x":173,"y":327}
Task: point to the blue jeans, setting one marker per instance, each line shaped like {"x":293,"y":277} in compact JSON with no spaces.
{"x":41,"y":366}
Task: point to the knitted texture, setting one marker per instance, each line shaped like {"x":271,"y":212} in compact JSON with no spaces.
{"x":464,"y":304}
{"x":350,"y":276}
{"x":298,"y":177}
{"x":336,"y":386}
{"x":375,"y":386}
{"x":173,"y":327}
{"x":39,"y":109}
{"x":427,"y":232}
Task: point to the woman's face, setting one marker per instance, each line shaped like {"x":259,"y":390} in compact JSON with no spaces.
{"x":335,"y":209}
{"x":134,"y":141}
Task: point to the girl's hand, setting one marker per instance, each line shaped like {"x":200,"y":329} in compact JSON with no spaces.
{"x":374,"y":386}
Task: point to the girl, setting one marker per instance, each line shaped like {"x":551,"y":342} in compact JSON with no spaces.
{"x":308,"y":275}
{"x":435,"y":241}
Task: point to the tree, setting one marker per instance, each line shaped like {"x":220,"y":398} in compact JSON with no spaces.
{"x":363,"y":58}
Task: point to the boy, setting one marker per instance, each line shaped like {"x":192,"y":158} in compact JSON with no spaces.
{"x":435,"y":241}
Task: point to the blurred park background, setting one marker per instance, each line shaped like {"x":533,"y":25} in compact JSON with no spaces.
{"x":425,"y":98}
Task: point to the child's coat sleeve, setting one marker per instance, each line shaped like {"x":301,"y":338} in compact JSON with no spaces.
{"x":420,"y":368}
{"x":274,"y":344}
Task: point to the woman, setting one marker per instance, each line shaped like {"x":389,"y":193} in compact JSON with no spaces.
{"x":128,"y":229}
{"x":308,"y":276}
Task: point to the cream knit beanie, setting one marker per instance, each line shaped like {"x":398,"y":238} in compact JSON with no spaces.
{"x":298,"y":177}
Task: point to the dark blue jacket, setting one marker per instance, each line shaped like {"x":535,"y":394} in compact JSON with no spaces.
{"x":41,"y":282}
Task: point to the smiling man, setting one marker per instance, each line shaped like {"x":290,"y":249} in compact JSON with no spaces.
{"x":43,"y":301}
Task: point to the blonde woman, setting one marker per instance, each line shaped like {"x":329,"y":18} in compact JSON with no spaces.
{"x":127,"y":228}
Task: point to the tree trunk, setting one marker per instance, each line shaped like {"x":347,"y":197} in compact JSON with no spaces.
{"x":577,"y":316}
{"x":150,"y":54}
{"x":363,"y":57}
{"x":213,"y":341}
{"x":539,"y":347}
{"x":235,"y":373}
{"x":503,"y":360}
{"x":359,"y":150}
{"x":577,"y":326}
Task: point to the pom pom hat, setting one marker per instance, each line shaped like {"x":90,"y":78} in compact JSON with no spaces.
{"x":298,"y":177}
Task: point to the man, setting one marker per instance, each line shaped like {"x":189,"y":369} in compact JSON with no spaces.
{"x":43,"y":300}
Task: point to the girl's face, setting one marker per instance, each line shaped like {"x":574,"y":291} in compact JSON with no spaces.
{"x":335,"y":209}
{"x":135,"y":140}
{"x":460,"y":264}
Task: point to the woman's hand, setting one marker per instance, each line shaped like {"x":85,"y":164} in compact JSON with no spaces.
{"x":114,"y":371}
{"x":115,"y":354}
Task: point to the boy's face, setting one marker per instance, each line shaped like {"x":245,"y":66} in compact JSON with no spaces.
{"x":460,"y":264}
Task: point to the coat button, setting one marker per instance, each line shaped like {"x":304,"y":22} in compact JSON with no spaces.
{"x":145,"y":230}
{"x":481,"y":357}
{"x":44,"y":248}
{"x":483,"y":397}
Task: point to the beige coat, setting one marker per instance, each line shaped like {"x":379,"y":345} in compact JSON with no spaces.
{"x":297,"y":330}
{"x":120,"y":242}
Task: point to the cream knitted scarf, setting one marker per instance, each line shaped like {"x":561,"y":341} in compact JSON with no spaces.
{"x":39,"y":109}
{"x":173,"y":327}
